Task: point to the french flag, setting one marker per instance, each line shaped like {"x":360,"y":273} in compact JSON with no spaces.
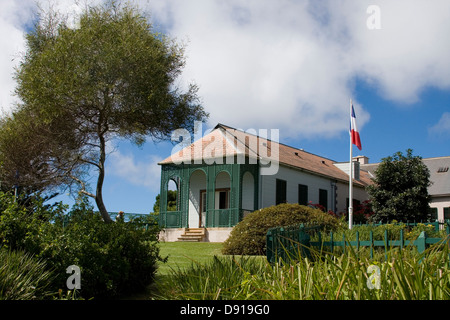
{"x":354,"y":134}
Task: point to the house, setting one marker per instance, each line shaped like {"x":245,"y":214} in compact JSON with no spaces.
{"x":228,"y":173}
{"x":439,"y":190}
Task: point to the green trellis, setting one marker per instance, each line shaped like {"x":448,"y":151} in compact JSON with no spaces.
{"x":181,"y":174}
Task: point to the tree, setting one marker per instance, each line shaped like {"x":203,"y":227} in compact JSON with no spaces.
{"x":400,"y":189}
{"x":171,"y":201}
{"x":113,"y":76}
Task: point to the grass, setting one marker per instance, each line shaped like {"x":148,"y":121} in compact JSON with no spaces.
{"x":405,"y":275}
{"x":22,"y":277}
{"x":184,"y":254}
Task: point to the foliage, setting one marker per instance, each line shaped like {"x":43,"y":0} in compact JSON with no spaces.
{"x":410,"y":232}
{"x":405,"y":275}
{"x":171,"y":201}
{"x":400,"y":189}
{"x":114,"y":259}
{"x":112,"y":77}
{"x":23,"y":277}
{"x":362,"y":212}
{"x":249,"y":236}
{"x":24,"y":219}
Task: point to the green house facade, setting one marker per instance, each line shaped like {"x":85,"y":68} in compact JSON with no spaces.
{"x":210,"y":196}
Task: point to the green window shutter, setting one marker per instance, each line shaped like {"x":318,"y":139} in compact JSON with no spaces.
{"x":323,"y":198}
{"x":446,"y":213}
{"x":434,"y":214}
{"x":280,"y":191}
{"x":302,"y":194}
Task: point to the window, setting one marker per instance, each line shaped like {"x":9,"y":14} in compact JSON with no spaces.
{"x":203,"y":201}
{"x":355,"y":204}
{"x":446,"y":213}
{"x":280,"y":192}
{"x":302,"y":194}
{"x":434,"y":214}
{"x":223,"y":199}
{"x":323,"y":198}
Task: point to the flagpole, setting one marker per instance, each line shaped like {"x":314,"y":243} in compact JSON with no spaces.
{"x":350,"y":184}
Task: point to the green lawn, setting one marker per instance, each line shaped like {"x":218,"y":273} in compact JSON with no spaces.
{"x":183,"y":254}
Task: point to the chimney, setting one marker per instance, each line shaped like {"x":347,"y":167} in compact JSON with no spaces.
{"x":356,"y":174}
{"x":361,"y":159}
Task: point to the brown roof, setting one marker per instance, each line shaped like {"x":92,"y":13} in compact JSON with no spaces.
{"x":227,"y":141}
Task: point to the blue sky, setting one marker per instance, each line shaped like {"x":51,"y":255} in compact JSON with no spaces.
{"x":287,"y":65}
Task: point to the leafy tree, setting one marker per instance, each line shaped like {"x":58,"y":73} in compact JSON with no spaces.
{"x":113,"y":76}
{"x":400,"y":189}
{"x":171,"y":201}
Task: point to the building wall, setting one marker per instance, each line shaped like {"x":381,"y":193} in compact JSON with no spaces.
{"x":197,"y":182}
{"x":440,"y":203}
{"x":342,"y":196}
{"x":293,"y":178}
{"x":248,"y":192}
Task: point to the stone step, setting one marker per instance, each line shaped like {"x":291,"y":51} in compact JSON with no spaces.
{"x":192,"y":235}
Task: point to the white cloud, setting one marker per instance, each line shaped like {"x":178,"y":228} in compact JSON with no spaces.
{"x":142,"y":173}
{"x":292,"y":64}
{"x":284,"y":64}
{"x":442,"y":127}
{"x":13,"y":17}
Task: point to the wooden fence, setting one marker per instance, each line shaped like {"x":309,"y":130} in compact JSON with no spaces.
{"x":289,"y":243}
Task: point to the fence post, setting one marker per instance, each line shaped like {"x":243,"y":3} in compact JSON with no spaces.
{"x":401,"y":239}
{"x":343,"y":240}
{"x":331,"y":241}
{"x":421,"y":242}
{"x":269,"y":245}
{"x":371,"y":244}
{"x":386,"y":243}
{"x":357,"y":240}
{"x":357,"y":244}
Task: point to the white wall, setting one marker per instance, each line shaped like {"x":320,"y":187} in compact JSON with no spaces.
{"x":223,"y":180}
{"x":197,"y":182}
{"x":248,"y":192}
{"x":342,"y":195}
{"x":293,"y":178}
{"x":440,"y":203}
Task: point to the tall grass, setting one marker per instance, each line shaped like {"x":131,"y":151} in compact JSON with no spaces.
{"x":22,"y":277}
{"x":405,"y":275}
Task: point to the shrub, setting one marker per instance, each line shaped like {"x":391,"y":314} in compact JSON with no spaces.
{"x":249,"y":235}
{"x":115,"y":259}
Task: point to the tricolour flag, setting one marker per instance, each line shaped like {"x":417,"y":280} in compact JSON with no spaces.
{"x":354,"y":134}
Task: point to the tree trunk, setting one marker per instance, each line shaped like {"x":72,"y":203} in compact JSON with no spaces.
{"x":101,"y":177}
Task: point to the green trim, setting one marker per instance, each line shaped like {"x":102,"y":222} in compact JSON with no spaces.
{"x":182,"y":173}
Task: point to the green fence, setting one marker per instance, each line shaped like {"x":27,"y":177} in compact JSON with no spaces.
{"x":421,"y":243}
{"x":288,"y":243}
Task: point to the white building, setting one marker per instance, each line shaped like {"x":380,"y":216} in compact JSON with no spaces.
{"x":228,"y":173}
{"x":440,"y":185}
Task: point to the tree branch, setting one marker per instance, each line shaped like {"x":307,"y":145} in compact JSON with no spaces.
{"x":83,"y":186}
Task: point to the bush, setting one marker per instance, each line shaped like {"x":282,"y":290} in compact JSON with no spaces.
{"x":249,"y":235}
{"x":115,"y":259}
